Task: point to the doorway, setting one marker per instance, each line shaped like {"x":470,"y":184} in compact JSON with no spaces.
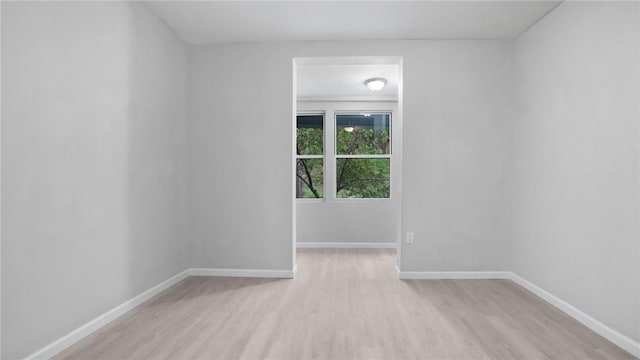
{"x":347,"y":158}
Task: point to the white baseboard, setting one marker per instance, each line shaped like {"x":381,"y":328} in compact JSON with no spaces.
{"x":434,"y":275}
{"x":258,"y":273}
{"x":78,"y":334}
{"x":322,"y":245}
{"x":623,"y":341}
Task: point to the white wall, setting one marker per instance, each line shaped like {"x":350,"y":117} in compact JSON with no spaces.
{"x":575,"y":201}
{"x":93,"y":163}
{"x":456,"y":175}
{"x":332,"y":220}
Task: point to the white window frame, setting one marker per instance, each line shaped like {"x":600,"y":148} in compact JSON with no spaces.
{"x":337,"y":156}
{"x":323,"y":156}
{"x":329,"y":107}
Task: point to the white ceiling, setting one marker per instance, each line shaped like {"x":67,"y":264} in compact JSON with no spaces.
{"x":202,"y":22}
{"x":334,"y":81}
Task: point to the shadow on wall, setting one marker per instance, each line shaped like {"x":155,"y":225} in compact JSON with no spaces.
{"x":157,"y":156}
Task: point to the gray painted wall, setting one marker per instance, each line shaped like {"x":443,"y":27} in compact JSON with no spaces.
{"x":456,"y":147}
{"x":575,"y":200}
{"x":93,"y":163}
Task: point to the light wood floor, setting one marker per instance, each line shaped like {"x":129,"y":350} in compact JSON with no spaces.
{"x":344,"y":304}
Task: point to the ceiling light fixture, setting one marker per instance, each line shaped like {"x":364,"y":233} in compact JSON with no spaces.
{"x":375,"y":84}
{"x":349,"y":128}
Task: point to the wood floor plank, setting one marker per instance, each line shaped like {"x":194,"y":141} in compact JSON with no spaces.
{"x":344,"y":304}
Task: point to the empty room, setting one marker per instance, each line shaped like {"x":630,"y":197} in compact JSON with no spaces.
{"x":320,"y":180}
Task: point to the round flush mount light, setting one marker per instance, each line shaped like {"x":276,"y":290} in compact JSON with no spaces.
{"x":375,"y":84}
{"x":349,"y":128}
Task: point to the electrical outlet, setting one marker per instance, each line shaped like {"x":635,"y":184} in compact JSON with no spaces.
{"x":409,"y":238}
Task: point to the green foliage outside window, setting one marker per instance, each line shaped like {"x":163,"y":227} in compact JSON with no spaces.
{"x":355,"y":177}
{"x":362,"y":142}
{"x":310,"y":141}
{"x":310,"y":179}
{"x":363,"y":178}
{"x":309,"y":172}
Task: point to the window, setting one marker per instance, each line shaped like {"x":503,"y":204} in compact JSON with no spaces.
{"x":363,"y":155}
{"x":309,"y":156}
{"x":359,"y":155}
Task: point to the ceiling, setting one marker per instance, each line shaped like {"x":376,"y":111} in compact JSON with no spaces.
{"x":338,"y":81}
{"x":203,"y":22}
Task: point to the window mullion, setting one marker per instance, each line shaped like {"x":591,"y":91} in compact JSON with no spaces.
{"x":330,"y":158}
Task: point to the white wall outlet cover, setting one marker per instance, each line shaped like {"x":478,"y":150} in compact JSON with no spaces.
{"x":409,"y":238}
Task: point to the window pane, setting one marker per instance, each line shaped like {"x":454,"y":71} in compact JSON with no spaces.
{"x":363,"y":134}
{"x":309,"y":179}
{"x":362,"y":178}
{"x":310,"y":134}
